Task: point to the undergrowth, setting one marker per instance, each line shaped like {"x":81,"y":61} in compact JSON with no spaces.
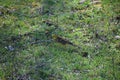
{"x":29,"y":52}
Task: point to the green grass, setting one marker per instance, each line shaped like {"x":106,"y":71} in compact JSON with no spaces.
{"x":28,"y":53}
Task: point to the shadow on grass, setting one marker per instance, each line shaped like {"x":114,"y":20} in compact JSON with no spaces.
{"x":15,"y":55}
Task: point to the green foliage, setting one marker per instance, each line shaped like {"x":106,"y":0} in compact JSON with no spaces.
{"x":28,"y":51}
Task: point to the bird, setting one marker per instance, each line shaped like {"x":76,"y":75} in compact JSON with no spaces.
{"x":63,"y":41}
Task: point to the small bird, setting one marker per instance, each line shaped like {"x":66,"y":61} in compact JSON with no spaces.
{"x":63,"y":40}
